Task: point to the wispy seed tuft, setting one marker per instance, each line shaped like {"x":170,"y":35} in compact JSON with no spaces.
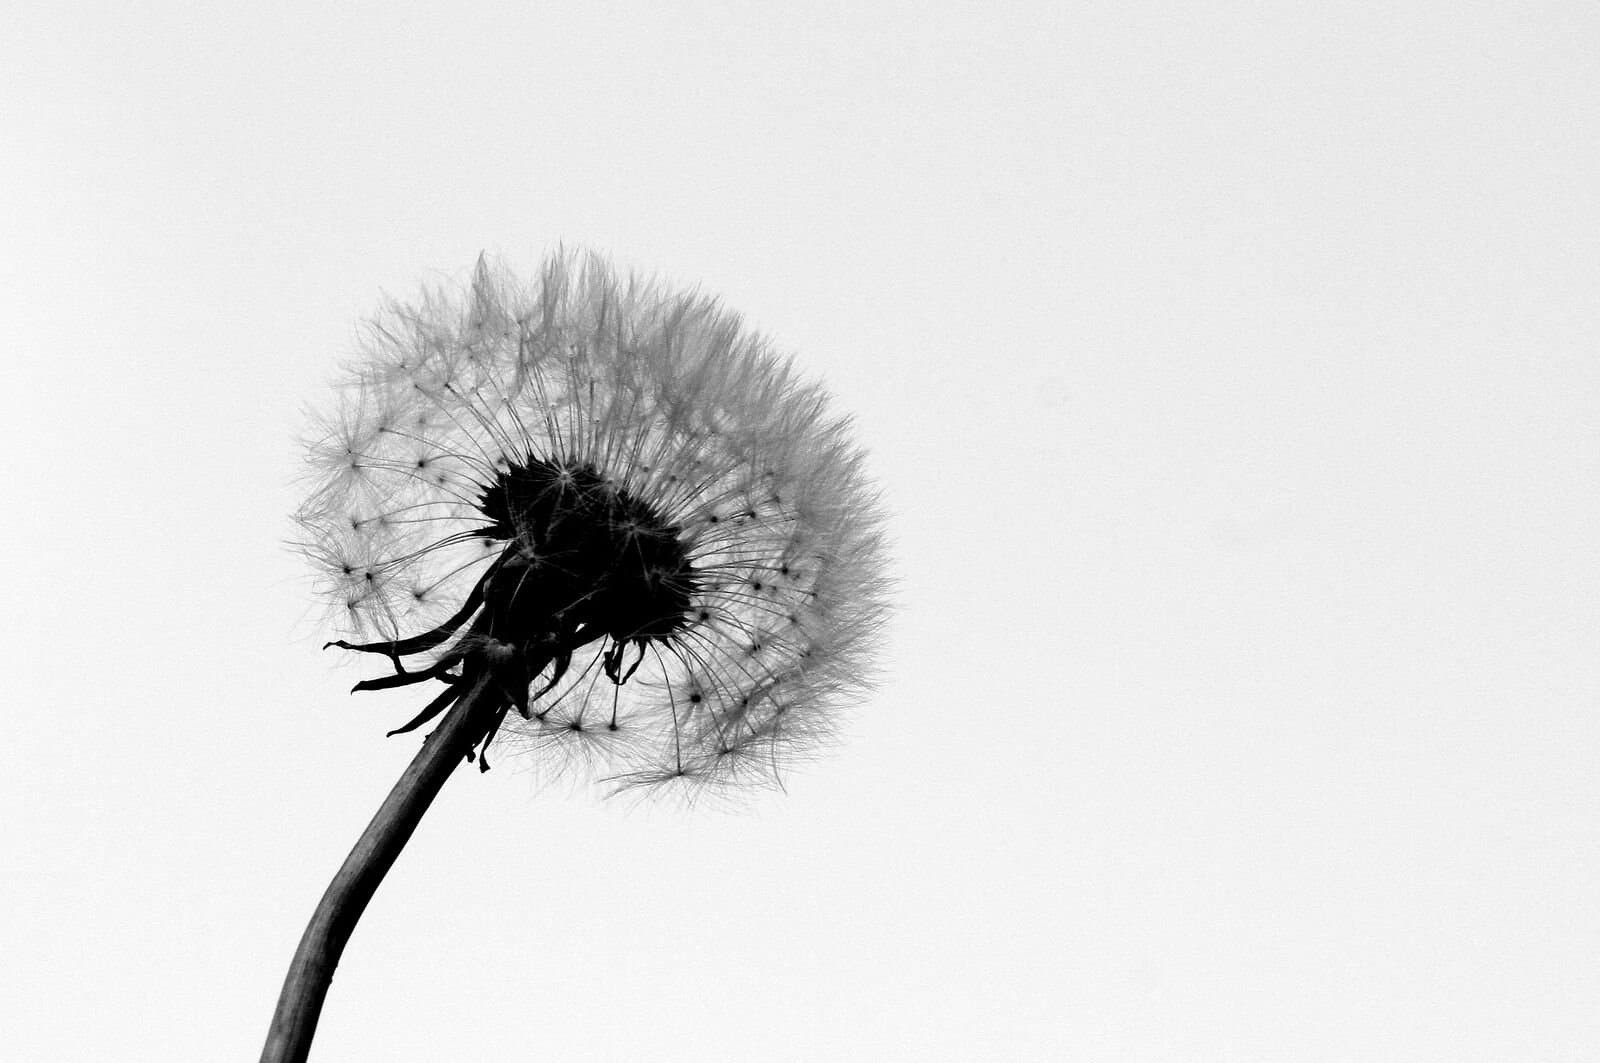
{"x":612,"y":506}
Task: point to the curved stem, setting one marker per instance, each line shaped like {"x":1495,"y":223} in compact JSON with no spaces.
{"x":311,"y":970}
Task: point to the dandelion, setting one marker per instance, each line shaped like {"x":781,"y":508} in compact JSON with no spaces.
{"x":602,"y":525}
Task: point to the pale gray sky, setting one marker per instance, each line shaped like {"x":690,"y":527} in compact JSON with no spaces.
{"x":1230,"y":371}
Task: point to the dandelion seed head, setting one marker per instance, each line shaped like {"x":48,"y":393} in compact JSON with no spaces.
{"x":615,"y":506}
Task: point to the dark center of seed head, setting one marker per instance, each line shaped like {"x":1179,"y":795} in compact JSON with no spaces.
{"x":584,"y":559}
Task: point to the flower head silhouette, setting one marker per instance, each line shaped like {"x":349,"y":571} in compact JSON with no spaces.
{"x":611,"y":508}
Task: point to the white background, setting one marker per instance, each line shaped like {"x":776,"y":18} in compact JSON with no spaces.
{"x":1230,"y":370}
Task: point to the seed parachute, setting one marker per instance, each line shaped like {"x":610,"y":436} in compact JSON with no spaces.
{"x":608,"y":512}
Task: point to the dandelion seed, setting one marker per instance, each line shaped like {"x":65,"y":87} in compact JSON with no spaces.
{"x":606,"y":526}
{"x":596,"y":471}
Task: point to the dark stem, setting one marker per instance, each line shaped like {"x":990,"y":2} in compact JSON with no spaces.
{"x":311,"y":971}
